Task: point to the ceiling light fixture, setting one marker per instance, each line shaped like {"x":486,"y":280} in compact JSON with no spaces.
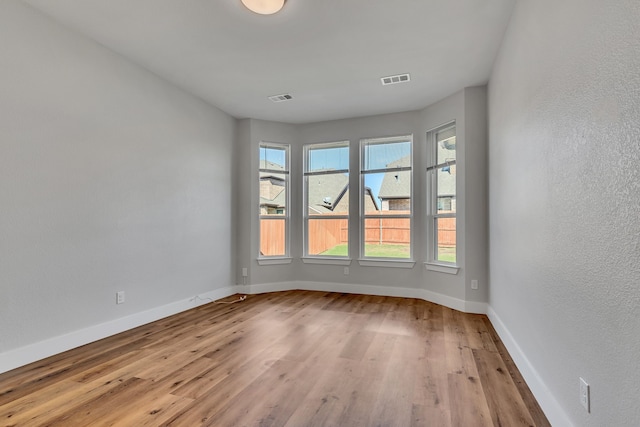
{"x":264,"y":7}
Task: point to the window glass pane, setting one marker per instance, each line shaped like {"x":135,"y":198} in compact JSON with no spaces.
{"x":383,"y":155}
{"x":446,"y":187}
{"x":273,"y":158}
{"x":328,"y":158}
{"x":446,"y":239}
{"x":387,"y":192}
{"x":446,"y":146}
{"x":387,"y":237}
{"x":272,"y":237}
{"x":328,"y":194}
{"x":327,"y":236}
{"x":273,"y":193}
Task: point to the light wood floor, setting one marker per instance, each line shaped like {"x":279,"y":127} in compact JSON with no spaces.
{"x":293,"y":358}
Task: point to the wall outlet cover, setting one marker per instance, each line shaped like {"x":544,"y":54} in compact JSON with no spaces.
{"x":585,"y":395}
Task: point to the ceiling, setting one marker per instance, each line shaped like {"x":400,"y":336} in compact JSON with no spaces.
{"x":328,"y":54}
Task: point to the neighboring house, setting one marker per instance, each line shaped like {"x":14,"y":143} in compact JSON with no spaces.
{"x":273,"y":197}
{"x":277,"y":204}
{"x":447,"y":189}
{"x":447,"y":178}
{"x":330,"y":194}
{"x":395,"y":190}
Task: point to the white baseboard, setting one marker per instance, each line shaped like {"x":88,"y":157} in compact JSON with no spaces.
{"x":43,"y":349}
{"x":552,"y":409}
{"x":445,"y":300}
{"x":24,"y":355}
{"x":37,"y":351}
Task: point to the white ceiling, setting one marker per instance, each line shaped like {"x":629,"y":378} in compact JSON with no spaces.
{"x":329,"y":54}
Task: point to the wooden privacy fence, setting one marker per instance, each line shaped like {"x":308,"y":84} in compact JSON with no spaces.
{"x":272,"y":237}
{"x":327,"y":233}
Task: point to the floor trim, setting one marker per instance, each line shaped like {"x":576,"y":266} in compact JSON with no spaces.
{"x":40,"y":350}
{"x":445,"y":300}
{"x":550,"y":406}
{"x":43,"y":349}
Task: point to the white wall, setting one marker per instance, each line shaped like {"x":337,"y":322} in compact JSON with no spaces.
{"x":564,"y":107}
{"x":468,"y":108}
{"x":110,"y":179}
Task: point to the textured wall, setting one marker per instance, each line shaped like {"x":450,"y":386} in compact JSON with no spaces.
{"x":564,"y":107}
{"x":110,"y":179}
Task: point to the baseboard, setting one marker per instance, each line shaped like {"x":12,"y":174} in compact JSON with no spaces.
{"x":445,"y":300}
{"x":31,"y":353}
{"x":24,"y":355}
{"x":43,"y":349}
{"x":550,"y":406}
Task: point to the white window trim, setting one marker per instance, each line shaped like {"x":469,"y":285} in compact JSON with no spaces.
{"x":316,"y":258}
{"x":387,"y":262}
{"x":326,"y":260}
{"x":433,"y":263}
{"x":286,"y":257}
{"x":375,"y":261}
{"x":442,"y":268}
{"x":274,"y":260}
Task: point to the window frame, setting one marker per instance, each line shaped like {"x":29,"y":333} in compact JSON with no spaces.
{"x":318,"y":258}
{"x":286,"y":217}
{"x":433,"y":263}
{"x":385,"y":261}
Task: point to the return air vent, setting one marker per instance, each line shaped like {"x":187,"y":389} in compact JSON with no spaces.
{"x":281,"y":98}
{"x":391,"y":80}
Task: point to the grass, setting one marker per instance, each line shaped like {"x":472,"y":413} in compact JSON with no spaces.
{"x":373,"y":250}
{"x":445,"y":254}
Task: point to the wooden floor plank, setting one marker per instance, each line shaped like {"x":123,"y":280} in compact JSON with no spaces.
{"x":522,"y":388}
{"x":295,"y":358}
{"x":506,"y":408}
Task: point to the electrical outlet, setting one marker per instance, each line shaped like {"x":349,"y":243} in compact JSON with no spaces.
{"x":245,"y":272}
{"x":346,"y":271}
{"x":585,"y":395}
{"x":474,"y":284}
{"x":120,"y":297}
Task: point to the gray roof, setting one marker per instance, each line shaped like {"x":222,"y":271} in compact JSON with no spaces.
{"x":397,"y":185}
{"x":278,"y":201}
{"x":266,"y":164}
{"x":325,"y":191}
{"x":447,"y":182}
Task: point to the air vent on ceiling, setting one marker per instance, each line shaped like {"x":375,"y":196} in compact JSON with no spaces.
{"x":281,"y":98}
{"x":400,"y":78}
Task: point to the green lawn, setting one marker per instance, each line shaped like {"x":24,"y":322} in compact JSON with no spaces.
{"x":447,"y":254}
{"x":390,"y":251}
{"x":373,"y":250}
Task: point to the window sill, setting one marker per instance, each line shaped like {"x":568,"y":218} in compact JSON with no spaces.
{"x":274,"y":261}
{"x":385,"y":263}
{"x":326,"y":260}
{"x":442,"y":268}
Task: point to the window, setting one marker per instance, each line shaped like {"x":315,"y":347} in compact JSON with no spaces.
{"x":274,"y":200}
{"x":385,"y":198}
{"x":441,"y":184}
{"x":326,"y":196}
